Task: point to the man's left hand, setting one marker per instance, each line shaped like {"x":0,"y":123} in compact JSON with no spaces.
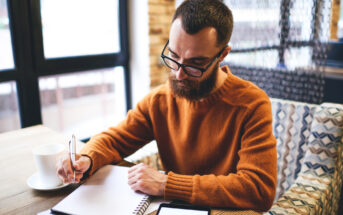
{"x":147,"y":180}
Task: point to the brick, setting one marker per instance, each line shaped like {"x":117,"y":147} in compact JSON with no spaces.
{"x":167,"y":2}
{"x":156,"y":81}
{"x":161,"y":19}
{"x":159,"y":29}
{"x":156,"y":49}
{"x":158,"y":39}
{"x":158,"y":69}
{"x":160,"y":16}
{"x":155,"y":40}
{"x":155,"y":30}
{"x":155,"y":60}
{"x":159,"y":9}
{"x":156,"y":73}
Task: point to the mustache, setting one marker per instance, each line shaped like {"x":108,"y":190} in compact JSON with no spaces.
{"x":184,"y":81}
{"x":187,"y":84}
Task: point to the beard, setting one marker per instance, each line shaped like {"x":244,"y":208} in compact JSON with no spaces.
{"x":192,"y":89}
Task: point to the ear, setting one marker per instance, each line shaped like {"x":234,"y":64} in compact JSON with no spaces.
{"x":224,"y":53}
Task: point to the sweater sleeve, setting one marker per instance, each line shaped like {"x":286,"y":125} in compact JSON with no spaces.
{"x":118,"y":142}
{"x":252,"y":186}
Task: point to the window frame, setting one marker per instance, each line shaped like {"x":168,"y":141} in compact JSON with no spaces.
{"x":30,"y":63}
{"x":335,"y":54}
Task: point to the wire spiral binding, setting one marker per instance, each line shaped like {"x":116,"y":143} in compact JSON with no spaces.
{"x":142,"y":206}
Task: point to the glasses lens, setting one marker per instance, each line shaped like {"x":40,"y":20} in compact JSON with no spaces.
{"x":193,"y":71}
{"x":170,"y":63}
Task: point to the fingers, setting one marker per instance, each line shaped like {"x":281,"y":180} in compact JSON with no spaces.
{"x":141,"y":187}
{"x":65,"y":171}
{"x":136,"y":173}
{"x":136,"y":176}
{"x":136,"y":167}
{"x":82,"y":164}
{"x":78,"y":177}
{"x":147,"y":180}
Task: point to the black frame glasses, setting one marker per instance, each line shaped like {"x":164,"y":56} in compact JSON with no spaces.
{"x":192,"y":71}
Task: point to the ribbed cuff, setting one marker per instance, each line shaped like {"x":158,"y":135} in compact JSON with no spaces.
{"x":86,"y":174}
{"x":94,"y":164}
{"x":179,"y":187}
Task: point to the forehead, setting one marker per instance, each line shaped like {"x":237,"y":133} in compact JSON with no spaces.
{"x":202,"y":43}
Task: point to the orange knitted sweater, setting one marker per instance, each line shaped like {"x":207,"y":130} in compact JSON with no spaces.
{"x":219,"y":151}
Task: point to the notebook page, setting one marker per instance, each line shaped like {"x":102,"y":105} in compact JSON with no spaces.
{"x":106,"y":192}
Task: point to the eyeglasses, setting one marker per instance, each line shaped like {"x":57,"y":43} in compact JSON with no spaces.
{"x":189,"y":70}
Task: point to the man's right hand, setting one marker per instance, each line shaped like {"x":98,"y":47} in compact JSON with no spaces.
{"x":65,"y":171}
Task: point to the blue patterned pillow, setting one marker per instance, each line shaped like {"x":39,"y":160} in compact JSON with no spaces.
{"x":292,"y":128}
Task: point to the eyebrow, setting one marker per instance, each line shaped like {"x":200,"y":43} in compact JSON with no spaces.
{"x":193,"y":58}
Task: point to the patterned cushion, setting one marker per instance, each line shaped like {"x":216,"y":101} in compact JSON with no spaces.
{"x":317,"y":187}
{"x":292,"y":128}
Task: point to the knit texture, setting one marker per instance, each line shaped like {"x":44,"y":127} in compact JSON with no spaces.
{"x":219,"y":151}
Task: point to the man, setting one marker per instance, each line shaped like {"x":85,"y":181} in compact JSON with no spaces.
{"x":213,"y":130}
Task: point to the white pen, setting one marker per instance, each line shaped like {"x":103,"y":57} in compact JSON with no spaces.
{"x":72,"y":153}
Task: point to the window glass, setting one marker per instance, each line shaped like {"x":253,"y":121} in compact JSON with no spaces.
{"x":340,"y":23}
{"x":261,"y":19}
{"x":6,"y":55}
{"x":268,"y":24}
{"x":83,"y":103}
{"x":9,"y":114}
{"x":80,"y":27}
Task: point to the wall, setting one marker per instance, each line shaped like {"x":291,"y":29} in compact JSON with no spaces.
{"x":160,"y":15}
{"x":139,"y":49}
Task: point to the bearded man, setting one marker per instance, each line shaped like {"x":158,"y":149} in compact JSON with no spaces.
{"x":213,"y":130}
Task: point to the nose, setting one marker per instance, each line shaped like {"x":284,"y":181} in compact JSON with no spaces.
{"x":180,"y":74}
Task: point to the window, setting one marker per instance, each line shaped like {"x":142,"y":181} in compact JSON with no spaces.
{"x":67,"y":56}
{"x":9,"y":115}
{"x":6,"y":56}
{"x":335,"y":55}
{"x":265,"y":27}
{"x":83,"y":103}
{"x":274,"y":30}
{"x":281,"y":46}
{"x":87,"y":27}
{"x":340,"y":23}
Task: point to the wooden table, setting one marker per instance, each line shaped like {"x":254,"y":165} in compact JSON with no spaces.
{"x":17,"y":165}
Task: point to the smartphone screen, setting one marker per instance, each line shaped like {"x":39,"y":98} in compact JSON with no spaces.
{"x":172,"y":209}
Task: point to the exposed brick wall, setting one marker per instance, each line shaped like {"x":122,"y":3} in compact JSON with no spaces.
{"x":160,"y":15}
{"x":335,"y":9}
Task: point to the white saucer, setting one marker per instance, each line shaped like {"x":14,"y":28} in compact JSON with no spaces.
{"x":33,"y":182}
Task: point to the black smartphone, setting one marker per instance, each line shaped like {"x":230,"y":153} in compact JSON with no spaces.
{"x":176,"y":209}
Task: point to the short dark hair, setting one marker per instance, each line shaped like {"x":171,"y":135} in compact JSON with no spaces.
{"x":198,"y":14}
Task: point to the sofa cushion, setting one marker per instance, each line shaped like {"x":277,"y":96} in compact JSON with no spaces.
{"x":292,"y":128}
{"x":323,"y":159}
{"x":317,"y":188}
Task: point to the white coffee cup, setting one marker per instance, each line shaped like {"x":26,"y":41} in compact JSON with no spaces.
{"x":45,"y":157}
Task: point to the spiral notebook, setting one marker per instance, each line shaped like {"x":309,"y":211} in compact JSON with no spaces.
{"x":106,"y":192}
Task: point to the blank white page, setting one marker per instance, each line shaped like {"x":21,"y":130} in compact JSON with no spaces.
{"x":106,"y":192}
